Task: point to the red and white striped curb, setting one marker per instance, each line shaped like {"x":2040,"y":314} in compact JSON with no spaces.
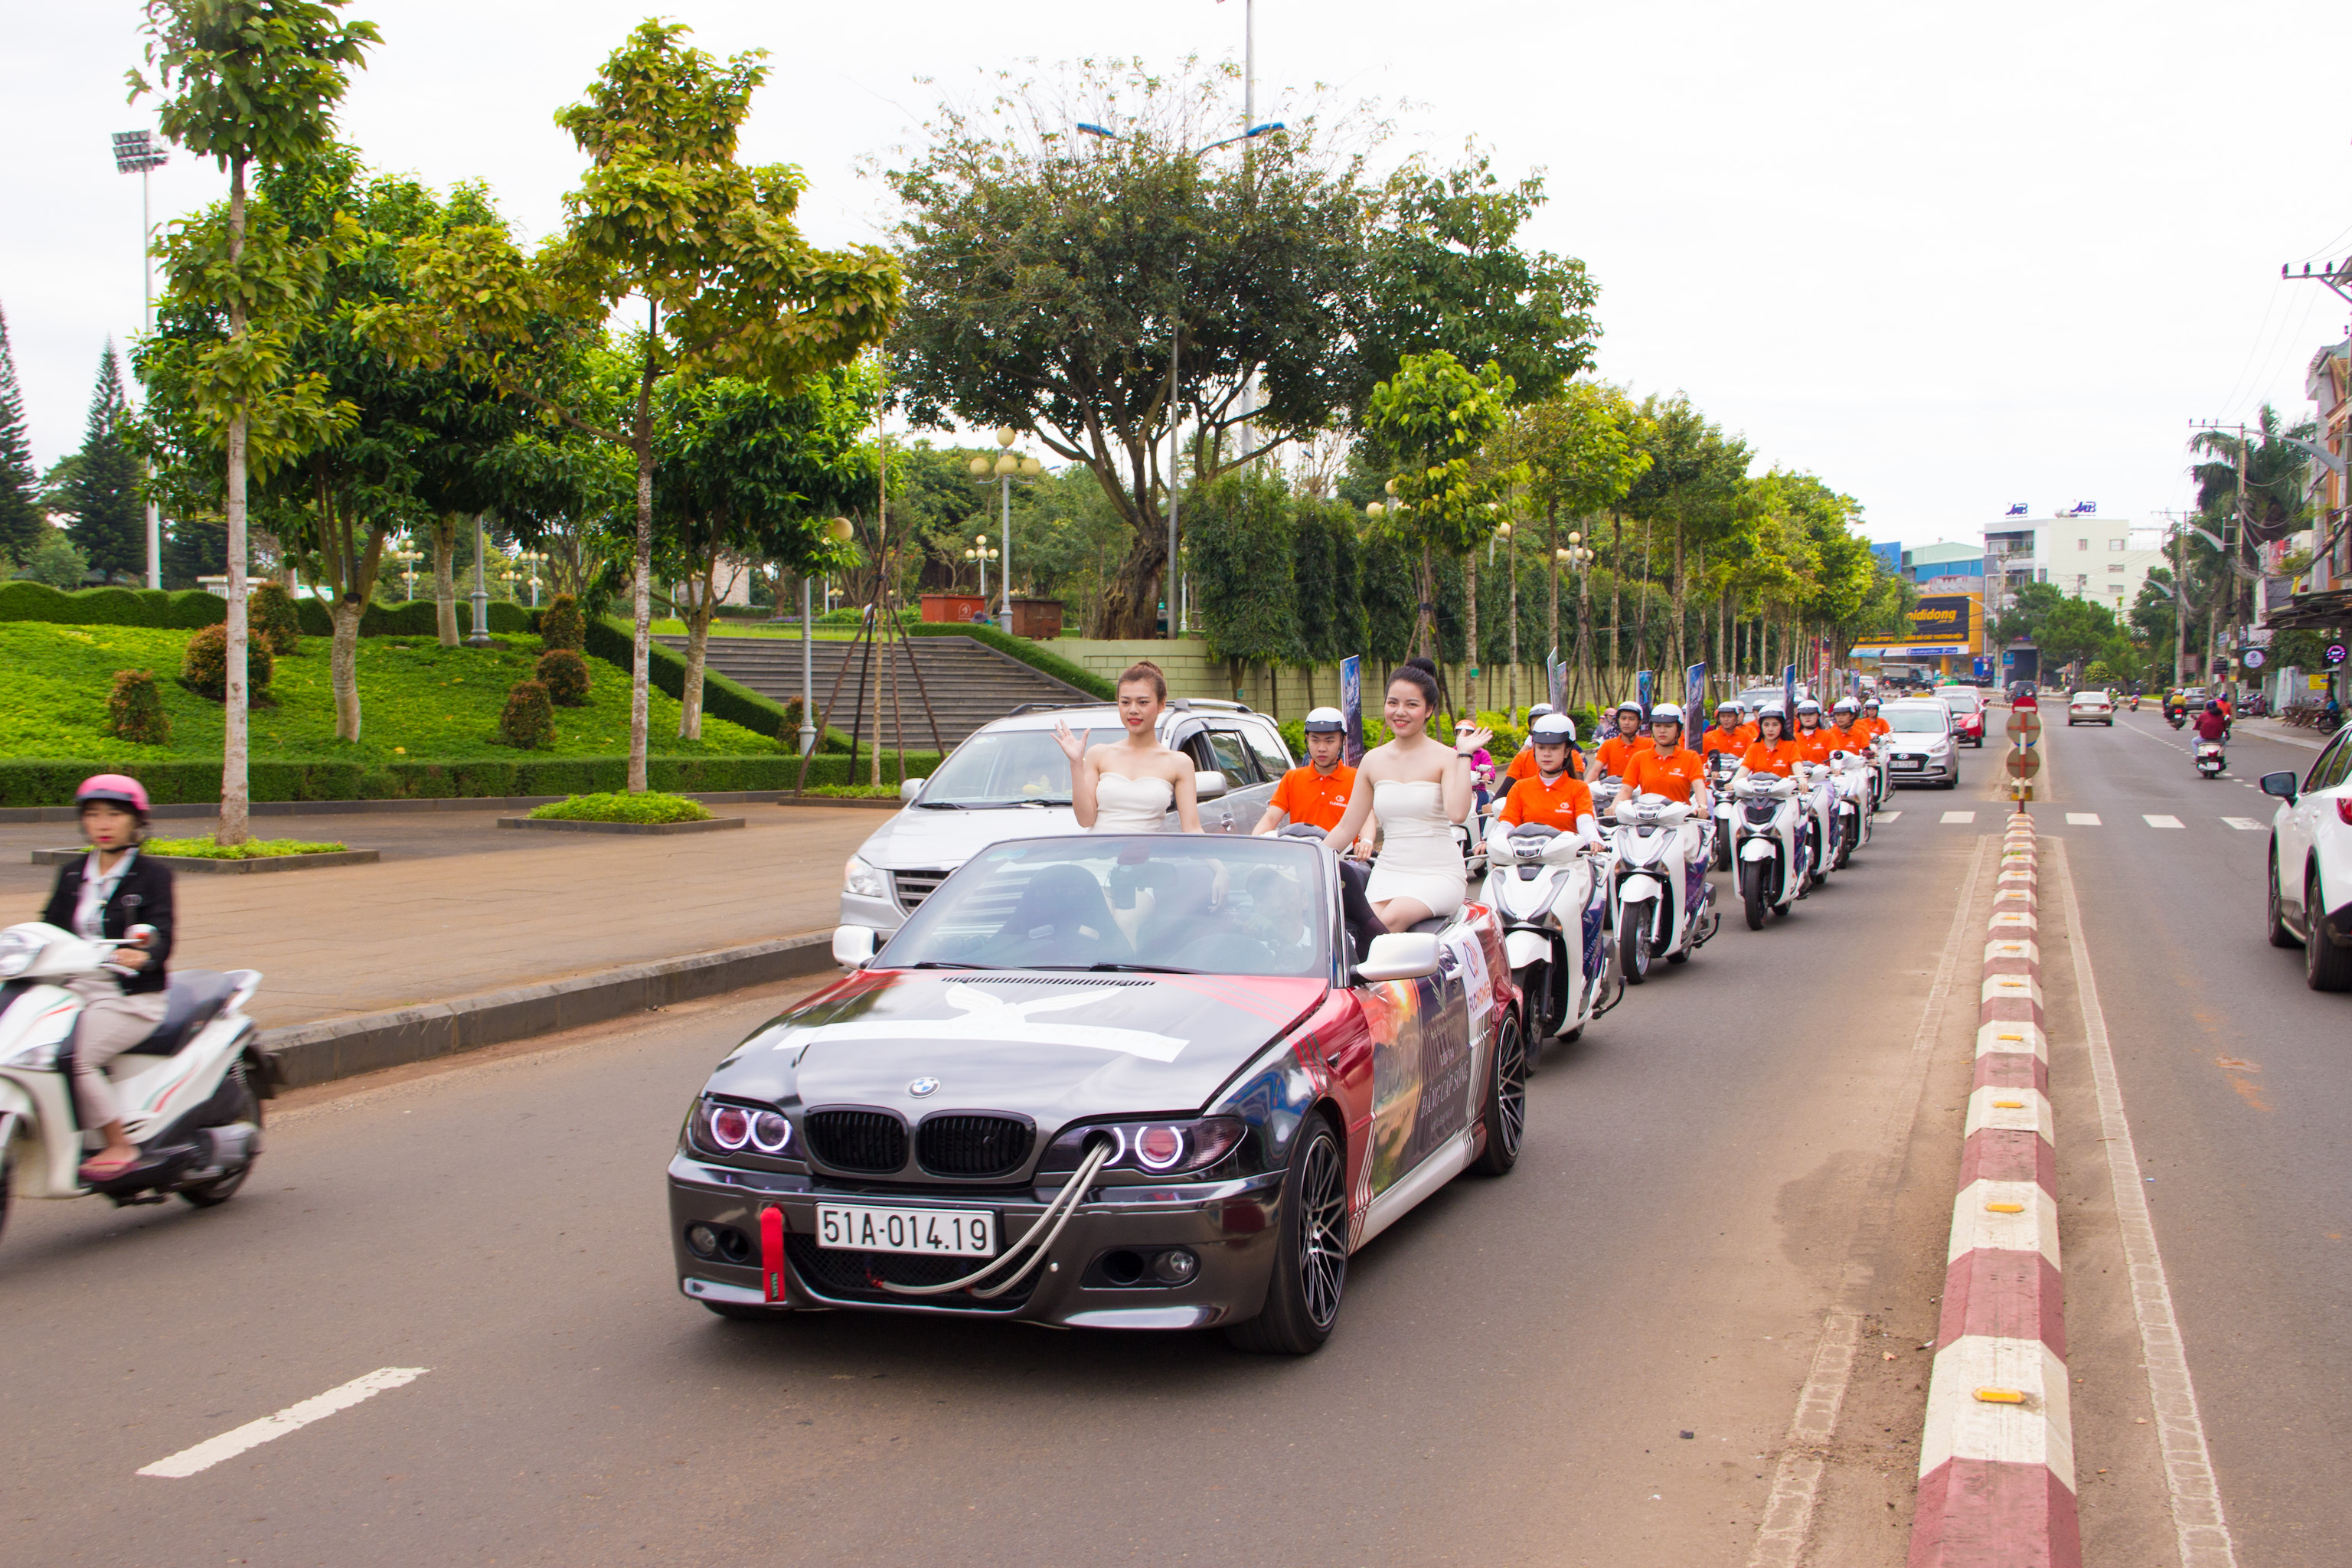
{"x":1997,"y":1456}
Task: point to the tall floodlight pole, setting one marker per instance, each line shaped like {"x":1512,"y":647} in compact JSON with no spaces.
{"x":137,"y":153}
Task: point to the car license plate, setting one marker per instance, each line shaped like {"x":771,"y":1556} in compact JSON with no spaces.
{"x":1908,"y":761}
{"x":953,"y":1233}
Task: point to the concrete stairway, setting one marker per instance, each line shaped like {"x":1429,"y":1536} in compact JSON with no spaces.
{"x":969,"y":683}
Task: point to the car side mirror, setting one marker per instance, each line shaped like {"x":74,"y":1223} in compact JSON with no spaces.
{"x":909,"y":788}
{"x":1399,"y":955}
{"x":852,"y":946}
{"x":1208,"y":784}
{"x":2280,"y":784}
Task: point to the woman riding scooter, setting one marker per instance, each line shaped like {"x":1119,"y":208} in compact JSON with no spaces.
{"x":102,"y":896}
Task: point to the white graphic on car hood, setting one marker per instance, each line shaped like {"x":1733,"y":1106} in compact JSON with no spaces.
{"x":989,"y":1018}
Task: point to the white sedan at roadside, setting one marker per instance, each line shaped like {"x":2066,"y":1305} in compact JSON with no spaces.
{"x":2091,"y":707}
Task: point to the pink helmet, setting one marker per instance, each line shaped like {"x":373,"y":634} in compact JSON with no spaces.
{"x":120,"y":789}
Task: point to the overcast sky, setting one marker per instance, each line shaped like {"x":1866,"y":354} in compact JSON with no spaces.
{"x":1947,"y":258}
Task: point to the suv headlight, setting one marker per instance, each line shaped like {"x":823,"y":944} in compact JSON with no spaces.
{"x":863,"y":879}
{"x":18,"y":951}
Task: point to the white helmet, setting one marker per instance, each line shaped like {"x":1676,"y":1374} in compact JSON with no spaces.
{"x":1667,"y":713}
{"x":1552,"y":730}
{"x":1807,"y":705}
{"x":1325,"y":721}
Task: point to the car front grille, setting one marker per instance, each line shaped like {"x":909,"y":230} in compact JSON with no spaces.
{"x":860,"y":1276}
{"x":914,"y":886}
{"x":871,"y":1143}
{"x":973,"y":1145}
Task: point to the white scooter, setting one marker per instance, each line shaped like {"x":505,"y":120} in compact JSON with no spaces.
{"x":191,"y":1092}
{"x":1820,"y":819}
{"x":1849,"y":783}
{"x":1721,"y":767}
{"x":2211,"y":759}
{"x":1773,"y":849}
{"x":1660,"y":889}
{"x":1552,"y":893}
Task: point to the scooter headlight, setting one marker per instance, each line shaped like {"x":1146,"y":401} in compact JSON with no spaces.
{"x":18,"y":951}
{"x":39,"y":1057}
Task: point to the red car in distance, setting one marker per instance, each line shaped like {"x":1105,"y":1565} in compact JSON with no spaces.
{"x":1968,"y":706}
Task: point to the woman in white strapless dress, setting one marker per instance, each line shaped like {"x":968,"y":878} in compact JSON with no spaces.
{"x":1129,"y":785}
{"x":1420,"y":788}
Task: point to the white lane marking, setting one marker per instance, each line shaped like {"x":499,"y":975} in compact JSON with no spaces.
{"x":2243,"y":824}
{"x":253,"y":1434}
{"x":2202,"y":1532}
{"x":2160,"y":821}
{"x":1887,"y":816}
{"x":1796,"y":1480}
{"x":2082,"y":819}
{"x":1960,"y":817}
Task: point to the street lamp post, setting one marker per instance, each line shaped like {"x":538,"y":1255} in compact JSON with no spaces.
{"x":980,"y":552}
{"x":136,"y":153}
{"x":480,"y":636}
{"x":408,"y":559}
{"x":1007,"y":467}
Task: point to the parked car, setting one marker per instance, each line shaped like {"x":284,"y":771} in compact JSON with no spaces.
{"x":1010,"y":780}
{"x":1967,"y":706}
{"x":2311,"y":864}
{"x":1921,"y":743}
{"x":2091,"y":706}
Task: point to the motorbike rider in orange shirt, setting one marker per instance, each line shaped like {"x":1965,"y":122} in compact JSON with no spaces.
{"x":1668,"y":768}
{"x":1815,"y":740}
{"x":1731,"y":735}
{"x":1554,"y":796}
{"x":1609,"y":759}
{"x":1523,"y":761}
{"x":1773,"y":751}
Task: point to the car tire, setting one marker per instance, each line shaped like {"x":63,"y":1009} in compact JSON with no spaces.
{"x":2280,"y":935}
{"x":1751,"y":893}
{"x":1633,"y":941}
{"x":1310,"y":1253}
{"x":2326,"y":962}
{"x":1506,"y":1110}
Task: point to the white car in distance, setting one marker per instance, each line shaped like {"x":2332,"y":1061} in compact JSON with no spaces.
{"x":2090,"y":706}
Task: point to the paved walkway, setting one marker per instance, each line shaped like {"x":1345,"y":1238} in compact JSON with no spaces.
{"x":460,"y":906}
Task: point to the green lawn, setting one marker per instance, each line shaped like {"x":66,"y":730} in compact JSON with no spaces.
{"x":418,"y":701}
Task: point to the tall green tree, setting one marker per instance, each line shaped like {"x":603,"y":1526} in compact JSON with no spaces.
{"x":246,"y":82}
{"x":667,"y":216}
{"x":1433,"y":418}
{"x":1242,"y":557}
{"x":20,"y":491}
{"x":1692,"y":487}
{"x":1581,"y":452}
{"x":101,"y":487}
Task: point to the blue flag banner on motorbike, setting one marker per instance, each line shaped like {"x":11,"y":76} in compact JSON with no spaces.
{"x":1694,"y":700}
{"x":1351,"y":705}
{"x":1642,"y":681}
{"x":1788,"y":697}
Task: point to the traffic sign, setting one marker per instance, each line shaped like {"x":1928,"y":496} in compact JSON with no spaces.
{"x":2025,"y":725}
{"x":2022,"y":762}
{"x":2254,"y":657}
{"x":2335,"y":653}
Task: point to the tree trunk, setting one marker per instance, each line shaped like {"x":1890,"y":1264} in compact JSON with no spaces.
{"x":1616,"y":578}
{"x":445,"y":579}
{"x":1512,"y":696}
{"x":1682,"y":621}
{"x":1470,"y":648}
{"x":236,"y":741}
{"x":641,"y":586}
{"x":1583,"y":631}
{"x":698,"y":645}
{"x":343,"y":662}
{"x":1552,"y":575}
{"x":1128,"y":608}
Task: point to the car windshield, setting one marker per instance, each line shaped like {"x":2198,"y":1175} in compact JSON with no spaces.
{"x":1959,"y":697}
{"x":2090,"y":697}
{"x":1003,"y":767}
{"x":1916,"y":721}
{"x":1178,"y":902}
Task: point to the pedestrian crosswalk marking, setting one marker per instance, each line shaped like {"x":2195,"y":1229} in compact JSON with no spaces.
{"x":1960,"y":817}
{"x":2082,"y":819}
{"x":2243,"y":824}
{"x":2161,"y":821}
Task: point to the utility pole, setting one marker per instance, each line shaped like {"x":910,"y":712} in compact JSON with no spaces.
{"x":137,"y":153}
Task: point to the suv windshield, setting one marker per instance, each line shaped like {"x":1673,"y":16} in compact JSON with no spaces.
{"x":1006,"y":767}
{"x":1181,"y":902}
{"x":1916,"y":721}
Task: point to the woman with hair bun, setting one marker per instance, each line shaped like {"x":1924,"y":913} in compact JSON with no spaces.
{"x":1420,"y":788}
{"x":1129,"y":785}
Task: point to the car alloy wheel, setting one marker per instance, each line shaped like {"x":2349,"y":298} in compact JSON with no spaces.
{"x":1506,"y":1102}
{"x":1310,"y":1259}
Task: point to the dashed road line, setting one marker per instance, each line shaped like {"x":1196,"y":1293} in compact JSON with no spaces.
{"x":253,"y":1434}
{"x":1886,"y":816}
{"x":2243,"y":824}
{"x":2082,"y":819}
{"x":2160,"y":821}
{"x":1961,"y":817}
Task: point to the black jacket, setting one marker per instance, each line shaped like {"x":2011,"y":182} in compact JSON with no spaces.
{"x":143,"y":897}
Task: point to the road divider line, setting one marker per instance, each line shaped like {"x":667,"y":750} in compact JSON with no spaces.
{"x":2160,"y":821}
{"x":1788,"y":1519}
{"x":293,"y":1418}
{"x":1997,"y":1445}
{"x":2200,"y":1526}
{"x":2083,"y":819}
{"x":1960,"y":817}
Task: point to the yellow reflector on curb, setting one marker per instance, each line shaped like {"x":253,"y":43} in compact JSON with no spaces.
{"x":2008,"y":1105}
{"x":2009,"y":1037}
{"x":2004,"y":1208}
{"x":2001,"y":1395}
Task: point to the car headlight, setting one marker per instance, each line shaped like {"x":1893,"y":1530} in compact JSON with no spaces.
{"x":863,"y":879}
{"x":18,"y":951}
{"x":1155,"y":1148}
{"x":726,"y":1127}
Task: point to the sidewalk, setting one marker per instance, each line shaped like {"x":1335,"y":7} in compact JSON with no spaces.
{"x":458,"y":906}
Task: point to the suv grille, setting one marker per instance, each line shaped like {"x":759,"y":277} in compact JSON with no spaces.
{"x":973,"y":1145}
{"x":873,"y":1143}
{"x":914,"y":886}
{"x":858,"y":1276}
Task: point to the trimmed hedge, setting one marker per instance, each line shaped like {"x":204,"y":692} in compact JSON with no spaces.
{"x":1027,"y":652}
{"x":414,"y":619}
{"x":152,"y":607}
{"x":196,"y":781}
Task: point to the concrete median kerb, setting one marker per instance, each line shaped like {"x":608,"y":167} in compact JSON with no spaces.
{"x":1997,"y":1452}
{"x":201,"y":867}
{"x":646,"y":829}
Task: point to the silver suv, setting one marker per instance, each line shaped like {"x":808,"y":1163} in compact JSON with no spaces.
{"x":1010,"y":780}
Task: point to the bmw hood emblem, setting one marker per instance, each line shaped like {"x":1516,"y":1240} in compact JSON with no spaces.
{"x":923,"y":1086}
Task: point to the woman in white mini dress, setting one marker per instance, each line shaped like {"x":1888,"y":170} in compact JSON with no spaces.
{"x":1128,"y":786}
{"x":1422,"y":788}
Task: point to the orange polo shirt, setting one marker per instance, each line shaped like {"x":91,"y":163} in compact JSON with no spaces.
{"x":1733,"y":741}
{"x":1305,"y":795}
{"x":1616,"y":750}
{"x":1780,"y":757}
{"x":1815,"y":745}
{"x":1559,"y":803}
{"x":1654,"y":773}
{"x":1523,"y":761}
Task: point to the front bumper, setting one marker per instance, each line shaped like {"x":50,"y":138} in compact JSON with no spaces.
{"x":1935,"y":769}
{"x":1230,"y":1226}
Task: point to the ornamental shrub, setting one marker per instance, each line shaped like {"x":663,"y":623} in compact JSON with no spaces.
{"x":205,"y":668}
{"x":565,"y":675}
{"x":561,"y":626}
{"x":273,"y":620}
{"x":619,"y":806}
{"x":134,"y":709}
{"x":529,"y":721}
